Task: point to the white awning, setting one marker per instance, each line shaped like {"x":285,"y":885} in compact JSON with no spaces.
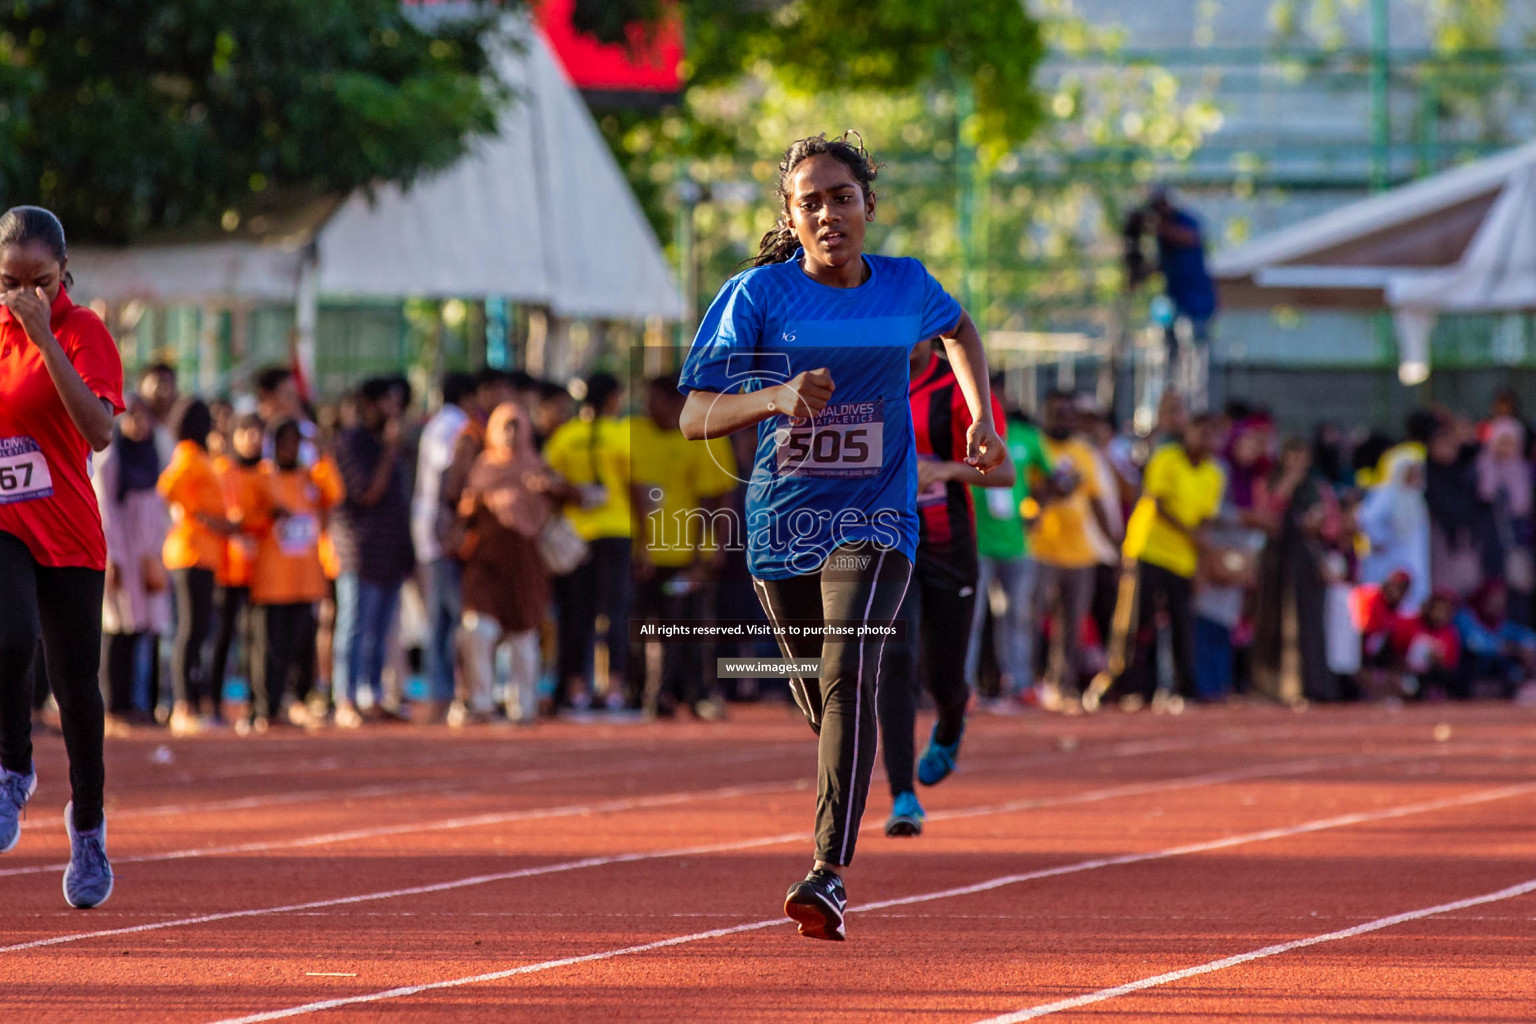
{"x":539,"y":214}
{"x":1461,"y":241}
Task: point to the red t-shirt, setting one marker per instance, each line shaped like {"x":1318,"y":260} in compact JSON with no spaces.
{"x":940,"y":418}
{"x":46,"y":498}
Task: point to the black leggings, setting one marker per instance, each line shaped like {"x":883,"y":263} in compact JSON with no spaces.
{"x":604,"y":584}
{"x":938,"y":617}
{"x":232,"y":606}
{"x":120,"y":655}
{"x":282,"y":655}
{"x":62,"y":607}
{"x":857,"y":583}
{"x":1156,"y":587}
{"x":194,"y":621}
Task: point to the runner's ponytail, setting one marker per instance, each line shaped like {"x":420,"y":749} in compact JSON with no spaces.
{"x":778,"y":245}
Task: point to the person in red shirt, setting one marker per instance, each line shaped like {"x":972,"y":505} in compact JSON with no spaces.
{"x":61,"y":385}
{"x":941,"y":597}
{"x":1429,"y":647}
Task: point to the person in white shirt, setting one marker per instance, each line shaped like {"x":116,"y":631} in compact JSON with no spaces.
{"x":441,"y":572}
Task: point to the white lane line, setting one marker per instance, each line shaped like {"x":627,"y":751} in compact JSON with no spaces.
{"x":1156,"y":743}
{"x":1089,"y":998}
{"x":1341,"y":821}
{"x":418,"y":890}
{"x":1277,"y":770}
{"x":1134,"y":748}
{"x":444,"y":825}
{"x":484,"y":785}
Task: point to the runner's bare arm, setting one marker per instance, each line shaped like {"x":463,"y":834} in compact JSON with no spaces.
{"x":91,"y":414}
{"x":944,"y":472}
{"x":968,"y":360}
{"x":708,"y":414}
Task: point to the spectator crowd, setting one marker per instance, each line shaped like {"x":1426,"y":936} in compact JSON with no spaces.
{"x":261,"y":553}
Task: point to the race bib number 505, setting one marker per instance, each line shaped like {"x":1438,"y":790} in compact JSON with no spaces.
{"x":24,"y":472}
{"x":843,"y":441}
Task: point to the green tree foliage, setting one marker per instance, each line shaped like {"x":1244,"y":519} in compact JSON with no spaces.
{"x":127,"y":116}
{"x":1026,"y":225}
{"x":817,"y":46}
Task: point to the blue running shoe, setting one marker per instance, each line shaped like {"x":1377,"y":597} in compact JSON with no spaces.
{"x":938,"y":761}
{"x":15,"y":790}
{"x":88,"y":879}
{"x":906,"y":816}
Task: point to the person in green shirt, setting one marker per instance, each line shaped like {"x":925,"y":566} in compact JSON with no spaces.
{"x":1007,"y":576}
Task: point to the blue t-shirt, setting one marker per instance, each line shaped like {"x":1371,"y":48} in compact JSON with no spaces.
{"x":1183,"y":266}
{"x":851,"y":474}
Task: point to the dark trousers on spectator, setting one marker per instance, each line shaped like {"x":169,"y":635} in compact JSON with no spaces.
{"x":602,"y":585}
{"x":61,"y":607}
{"x":120,"y":665}
{"x":1066,"y":593}
{"x":938,"y":624}
{"x":668,"y":595}
{"x":194,"y":620}
{"x":231,"y":606}
{"x":365,"y":618}
{"x":1106,"y":587}
{"x":1156,"y":588}
{"x":282,"y":655}
{"x":444,"y":598}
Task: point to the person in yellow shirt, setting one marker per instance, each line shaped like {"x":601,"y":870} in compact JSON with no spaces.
{"x":194,"y":552}
{"x":685,"y":484}
{"x":287,"y":579}
{"x":239,"y":472}
{"x":592,"y":452}
{"x":1181,"y":492}
{"x":1062,"y":545}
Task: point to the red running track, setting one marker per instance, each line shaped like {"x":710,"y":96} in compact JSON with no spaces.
{"x":1241,"y":863}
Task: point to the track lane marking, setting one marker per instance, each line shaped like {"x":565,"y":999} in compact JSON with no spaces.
{"x":488,"y":785}
{"x":1129,"y":749}
{"x":1103,"y":994}
{"x":1318,"y":825}
{"x":1276,"y":770}
{"x":443,"y":825}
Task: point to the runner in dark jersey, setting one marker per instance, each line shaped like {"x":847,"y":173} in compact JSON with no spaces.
{"x":942,"y":596}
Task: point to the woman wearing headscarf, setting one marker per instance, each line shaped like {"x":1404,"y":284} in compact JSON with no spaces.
{"x":1504,"y":483}
{"x":1248,"y":461}
{"x":511,"y":495}
{"x":137,"y":602}
{"x":1459,"y":524}
{"x":1395,"y":519}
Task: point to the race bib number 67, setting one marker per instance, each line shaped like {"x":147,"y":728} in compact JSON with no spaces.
{"x":842,"y":441}
{"x":24,"y":472}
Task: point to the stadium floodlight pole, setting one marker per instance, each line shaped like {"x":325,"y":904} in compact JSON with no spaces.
{"x":1381,"y":124}
{"x":965,"y":187}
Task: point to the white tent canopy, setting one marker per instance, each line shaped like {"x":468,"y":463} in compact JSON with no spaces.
{"x":1461,"y":241}
{"x":538,"y":214}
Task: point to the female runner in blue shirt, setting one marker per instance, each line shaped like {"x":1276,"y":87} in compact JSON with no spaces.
{"x":811,"y":346}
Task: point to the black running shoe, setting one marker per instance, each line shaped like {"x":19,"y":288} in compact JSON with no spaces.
{"x":816,"y":904}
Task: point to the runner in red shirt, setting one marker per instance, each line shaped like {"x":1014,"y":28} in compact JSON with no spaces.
{"x":61,"y":385}
{"x":941,"y":598}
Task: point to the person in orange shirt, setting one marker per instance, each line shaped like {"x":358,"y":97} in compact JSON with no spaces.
{"x":195,"y":549}
{"x":239,"y":472}
{"x":287,"y":580}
